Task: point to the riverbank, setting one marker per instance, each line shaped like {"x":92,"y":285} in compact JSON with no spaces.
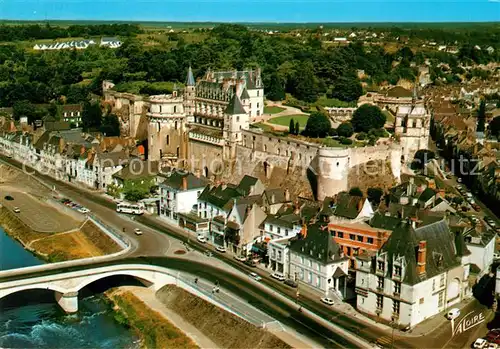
{"x":83,"y":242}
{"x":153,"y":328}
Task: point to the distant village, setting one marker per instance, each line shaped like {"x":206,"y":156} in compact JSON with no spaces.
{"x":79,"y":45}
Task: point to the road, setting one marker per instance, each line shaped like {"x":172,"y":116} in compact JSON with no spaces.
{"x":157,"y":241}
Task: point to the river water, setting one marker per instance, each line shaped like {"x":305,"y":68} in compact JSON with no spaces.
{"x":32,"y":319}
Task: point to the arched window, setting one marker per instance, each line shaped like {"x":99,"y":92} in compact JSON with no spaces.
{"x":175,"y":109}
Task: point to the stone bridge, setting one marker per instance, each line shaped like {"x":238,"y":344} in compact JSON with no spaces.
{"x":66,"y":285}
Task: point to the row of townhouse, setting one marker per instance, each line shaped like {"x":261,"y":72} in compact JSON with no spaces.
{"x":67,"y":155}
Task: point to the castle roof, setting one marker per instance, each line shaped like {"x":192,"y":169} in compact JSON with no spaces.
{"x":244,"y":94}
{"x":190,"y":78}
{"x":235,"y":107}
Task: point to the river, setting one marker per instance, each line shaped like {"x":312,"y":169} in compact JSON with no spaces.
{"x":32,"y":319}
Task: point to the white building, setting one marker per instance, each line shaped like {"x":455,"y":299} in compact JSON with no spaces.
{"x":316,"y":260}
{"x":179,"y":193}
{"x":418,"y":273}
{"x":482,"y":248}
{"x":412,"y":127}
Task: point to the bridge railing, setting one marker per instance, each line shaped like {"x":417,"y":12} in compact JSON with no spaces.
{"x":118,"y":238}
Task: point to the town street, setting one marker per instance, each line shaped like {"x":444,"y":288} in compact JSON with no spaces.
{"x":158,"y":239}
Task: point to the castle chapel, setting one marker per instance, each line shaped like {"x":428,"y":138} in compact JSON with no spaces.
{"x":204,"y":123}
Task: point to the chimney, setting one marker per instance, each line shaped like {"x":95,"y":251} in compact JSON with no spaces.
{"x":421,"y":257}
{"x":360,"y":204}
{"x":287,"y":195}
{"x":184,"y":183}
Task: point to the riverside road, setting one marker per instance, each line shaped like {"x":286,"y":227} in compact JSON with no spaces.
{"x":157,"y":240}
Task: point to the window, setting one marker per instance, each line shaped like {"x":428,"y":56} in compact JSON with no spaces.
{"x":441,"y":299}
{"x":380,"y":302}
{"x":433,"y":285}
{"x":397,"y":271}
{"x":286,"y":232}
{"x":333,"y":233}
{"x":380,"y":282}
{"x":310,"y":263}
{"x":237,"y":118}
{"x":175,"y":109}
{"x":397,"y":287}
{"x":301,"y":260}
{"x":257,"y":105}
{"x":270,"y":228}
{"x":395,"y":307}
{"x":279,"y":255}
{"x":258,"y":93}
{"x":370,"y":240}
{"x":421,"y":301}
{"x":168,"y":139}
{"x":441,"y":283}
{"x":360,"y":238}
{"x":310,"y":277}
{"x":274,"y":253}
{"x":279,"y":230}
{"x":318,"y":282}
{"x":341,"y":234}
{"x":352,"y":237}
{"x":380,"y":266}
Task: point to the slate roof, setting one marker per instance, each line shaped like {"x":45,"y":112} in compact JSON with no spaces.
{"x":318,"y":245}
{"x":190,"y":78}
{"x":246,"y":183}
{"x":244,"y":94}
{"x":235,"y":107}
{"x":381,"y":221}
{"x":426,"y":195}
{"x":347,"y":205}
{"x":440,"y":250}
{"x":275,"y":196}
{"x":175,"y":181}
{"x":138,"y":169}
{"x":42,"y":140}
{"x":219,"y":196}
{"x":112,"y":159}
{"x":56,"y":125}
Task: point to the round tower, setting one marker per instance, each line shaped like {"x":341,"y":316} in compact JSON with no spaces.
{"x":189,"y":96}
{"x":332,"y":170}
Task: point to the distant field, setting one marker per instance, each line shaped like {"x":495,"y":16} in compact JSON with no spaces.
{"x":285,"y":120}
{"x":273,"y":110}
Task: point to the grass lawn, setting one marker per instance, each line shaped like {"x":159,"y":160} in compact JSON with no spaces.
{"x":262,"y":126}
{"x":273,"y":110}
{"x":285,"y":120}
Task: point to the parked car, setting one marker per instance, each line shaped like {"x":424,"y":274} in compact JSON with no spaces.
{"x":83,"y":210}
{"x":17,"y":210}
{"x":9,"y":198}
{"x":240,"y":258}
{"x":137,"y":231}
{"x":492,"y":346}
{"x":201,"y":238}
{"x":480,"y":343}
{"x":291,"y":283}
{"x":221,"y":249}
{"x":453,"y":314}
{"x":278,"y":276}
{"x":255,"y":276}
{"x":496,"y":256}
{"x":327,"y":301}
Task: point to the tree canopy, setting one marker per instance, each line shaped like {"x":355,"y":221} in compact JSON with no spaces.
{"x":91,"y":116}
{"x":345,"y":129}
{"x":367,"y":117}
{"x":355,"y":191}
{"x":317,"y":125}
{"x":494,"y":127}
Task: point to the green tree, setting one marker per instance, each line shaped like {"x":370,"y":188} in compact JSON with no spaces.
{"x":355,"y":191}
{"x":305,"y":85}
{"x":346,"y":88}
{"x":275,"y":90}
{"x":110,"y":126}
{"x":24,"y":108}
{"x":367,"y":117}
{"x":317,"y":125}
{"x":135,"y":195}
{"x":297,"y":128}
{"x":291,"y":127}
{"x":345,"y":129}
{"x":374,"y":195}
{"x":481,"y":116}
{"x":91,"y":116}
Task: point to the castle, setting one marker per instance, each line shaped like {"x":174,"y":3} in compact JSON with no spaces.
{"x":206,"y":129}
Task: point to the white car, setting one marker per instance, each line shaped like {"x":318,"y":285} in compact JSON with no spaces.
{"x":492,"y":346}
{"x":480,"y":343}
{"x":453,"y":314}
{"x":327,"y":300}
{"x":278,"y":276}
{"x":240,"y":258}
{"x":202,"y":239}
{"x":255,"y":276}
{"x":137,"y":231}
{"x":17,"y":210}
{"x":83,"y":210}
{"x":221,"y":249}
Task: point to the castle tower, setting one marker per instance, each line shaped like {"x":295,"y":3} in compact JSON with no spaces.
{"x":236,"y":119}
{"x":189,"y":96}
{"x":332,"y":170}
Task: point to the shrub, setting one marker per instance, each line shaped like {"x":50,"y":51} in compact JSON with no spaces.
{"x":361,"y":136}
{"x":346,"y":141}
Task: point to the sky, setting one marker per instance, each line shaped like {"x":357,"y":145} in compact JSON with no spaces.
{"x":255,"y":10}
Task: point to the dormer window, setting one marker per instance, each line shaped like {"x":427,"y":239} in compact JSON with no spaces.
{"x":397,"y":271}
